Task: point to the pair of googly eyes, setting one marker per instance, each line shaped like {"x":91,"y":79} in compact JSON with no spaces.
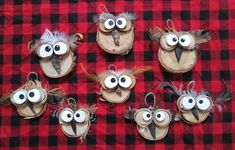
{"x":67,"y":115}
{"x":19,"y":97}
{"x":159,"y":116}
{"x":120,"y":23}
{"x":112,"y":81}
{"x":184,"y":40}
{"x":47,"y":50}
{"x":189,"y":102}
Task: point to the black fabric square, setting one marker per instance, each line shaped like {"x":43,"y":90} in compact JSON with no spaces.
{"x":92,"y":98}
{"x":34,"y":122}
{"x":147,"y":36}
{"x":36,"y":19}
{"x":1,"y":2}
{"x":73,"y":17}
{"x":14,"y":141}
{"x":18,"y":2}
{"x":205,"y":55}
{"x":204,"y":15}
{"x":36,"y":1}
{"x":131,"y":97}
{"x":187,"y":76}
{"x":185,"y":15}
{"x":225,"y":75}
{"x":206,"y":75}
{"x":148,"y":15}
{"x":223,"y":14}
{"x":72,"y":78}
{"x":166,"y":15}
{"x":148,"y":55}
{"x":223,"y":34}
{"x":1,"y":79}
{"x":1,"y":59}
{"x":188,"y":139}
{"x":34,"y":59}
{"x":75,"y":96}
{"x":54,"y":1}
{"x":73,"y":1}
{"x":17,"y":39}
{"x":227,"y":117}
{"x":33,"y":141}
{"x":91,"y":16}
{"x":110,"y":139}
{"x":227,"y":138}
{"x":72,"y":141}
{"x":1,"y":39}
{"x":16,"y":59}
{"x":91,"y":57}
{"x":207,"y":139}
{"x":167,"y":76}
{"x":169,"y":139}
{"x":130,"y":56}
{"x":130,"y":139}
{"x":224,"y":54}
{"x":148,"y":76}
{"x":17,"y":19}
{"x":2,"y":19}
{"x":91,"y":37}
{"x":91,"y":139}
{"x":16,"y":79}
{"x":111,"y":118}
{"x":110,"y":57}
{"x":15,"y":120}
{"x":55,"y":18}
{"x":53,"y":120}
{"x":52,"y":140}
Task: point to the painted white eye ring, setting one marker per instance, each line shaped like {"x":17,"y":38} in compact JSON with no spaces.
{"x":60,"y":48}
{"x":147,"y":116}
{"x":125,"y":81}
{"x":121,"y":23}
{"x":19,"y":97}
{"x":34,"y":95}
{"x":185,"y":40}
{"x":79,"y":116}
{"x":171,"y":39}
{"x":160,"y":116}
{"x":109,"y":24}
{"x":66,"y":115}
{"x":203,"y":103}
{"x":187,"y":102}
{"x":111,"y":82}
{"x":45,"y":51}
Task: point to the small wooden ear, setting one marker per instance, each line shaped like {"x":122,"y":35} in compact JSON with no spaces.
{"x":79,"y":37}
{"x":176,"y":117}
{"x":155,"y":33}
{"x":130,"y":114}
{"x":202,"y":36}
{"x":5,"y":99}
{"x":31,"y":45}
{"x":55,"y":96}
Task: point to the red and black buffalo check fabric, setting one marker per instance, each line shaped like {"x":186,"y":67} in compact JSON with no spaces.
{"x":22,"y":21}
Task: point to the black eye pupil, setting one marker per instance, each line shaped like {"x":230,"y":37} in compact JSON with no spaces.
{"x":57,"y":47}
{"x":159,"y":115}
{"x":182,"y":40}
{"x":190,"y":100}
{"x":113,"y":80}
{"x":77,"y":115}
{"x":148,"y":115}
{"x":110,"y":23}
{"x":47,"y":49}
{"x":69,"y":115}
{"x":174,"y":39}
{"x":123,"y":79}
{"x":119,"y":22}
{"x":31,"y":94}
{"x":21,"y":96}
{"x":200,"y":101}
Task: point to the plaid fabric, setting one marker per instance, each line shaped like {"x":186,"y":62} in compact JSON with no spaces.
{"x":22,"y":21}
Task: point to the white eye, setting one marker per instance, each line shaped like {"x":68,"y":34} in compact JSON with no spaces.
{"x":19,"y":97}
{"x":125,"y":81}
{"x":111,"y":82}
{"x":34,"y":95}
{"x":79,"y":116}
{"x":203,"y":103}
{"x":45,"y":50}
{"x":187,"y":102}
{"x":121,"y":23}
{"x":147,"y":116}
{"x":185,"y":40}
{"x":109,"y":24}
{"x":171,"y":39}
{"x":160,"y":116}
{"x":60,"y":48}
{"x":66,"y":115}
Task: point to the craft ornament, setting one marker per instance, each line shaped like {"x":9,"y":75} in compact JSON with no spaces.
{"x":116,"y":84}
{"x":56,"y":51}
{"x":152,"y":121}
{"x":75,"y":121}
{"x":115,"y":34}
{"x":195,"y":106}
{"x":31,"y":98}
{"x":178,"y":50}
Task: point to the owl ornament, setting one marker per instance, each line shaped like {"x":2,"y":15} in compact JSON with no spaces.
{"x":178,"y":50}
{"x":195,"y":106}
{"x":116,"y":84}
{"x":152,"y":121}
{"x":31,"y":98}
{"x":56,"y":51}
{"x":116,"y":33}
{"x":75,"y":121}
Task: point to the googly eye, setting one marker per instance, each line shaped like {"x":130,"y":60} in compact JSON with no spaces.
{"x":121,"y":23}
{"x":187,"y":102}
{"x":79,"y":116}
{"x":60,"y":48}
{"x":34,"y":96}
{"x":160,"y":116}
{"x":109,"y":24}
{"x":185,"y":40}
{"x":66,"y":115}
{"x":147,"y":116}
{"x":125,"y":81}
{"x":19,"y":97}
{"x":111,"y":82}
{"x":45,"y":50}
{"x":203,"y":103}
{"x":171,"y":39}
